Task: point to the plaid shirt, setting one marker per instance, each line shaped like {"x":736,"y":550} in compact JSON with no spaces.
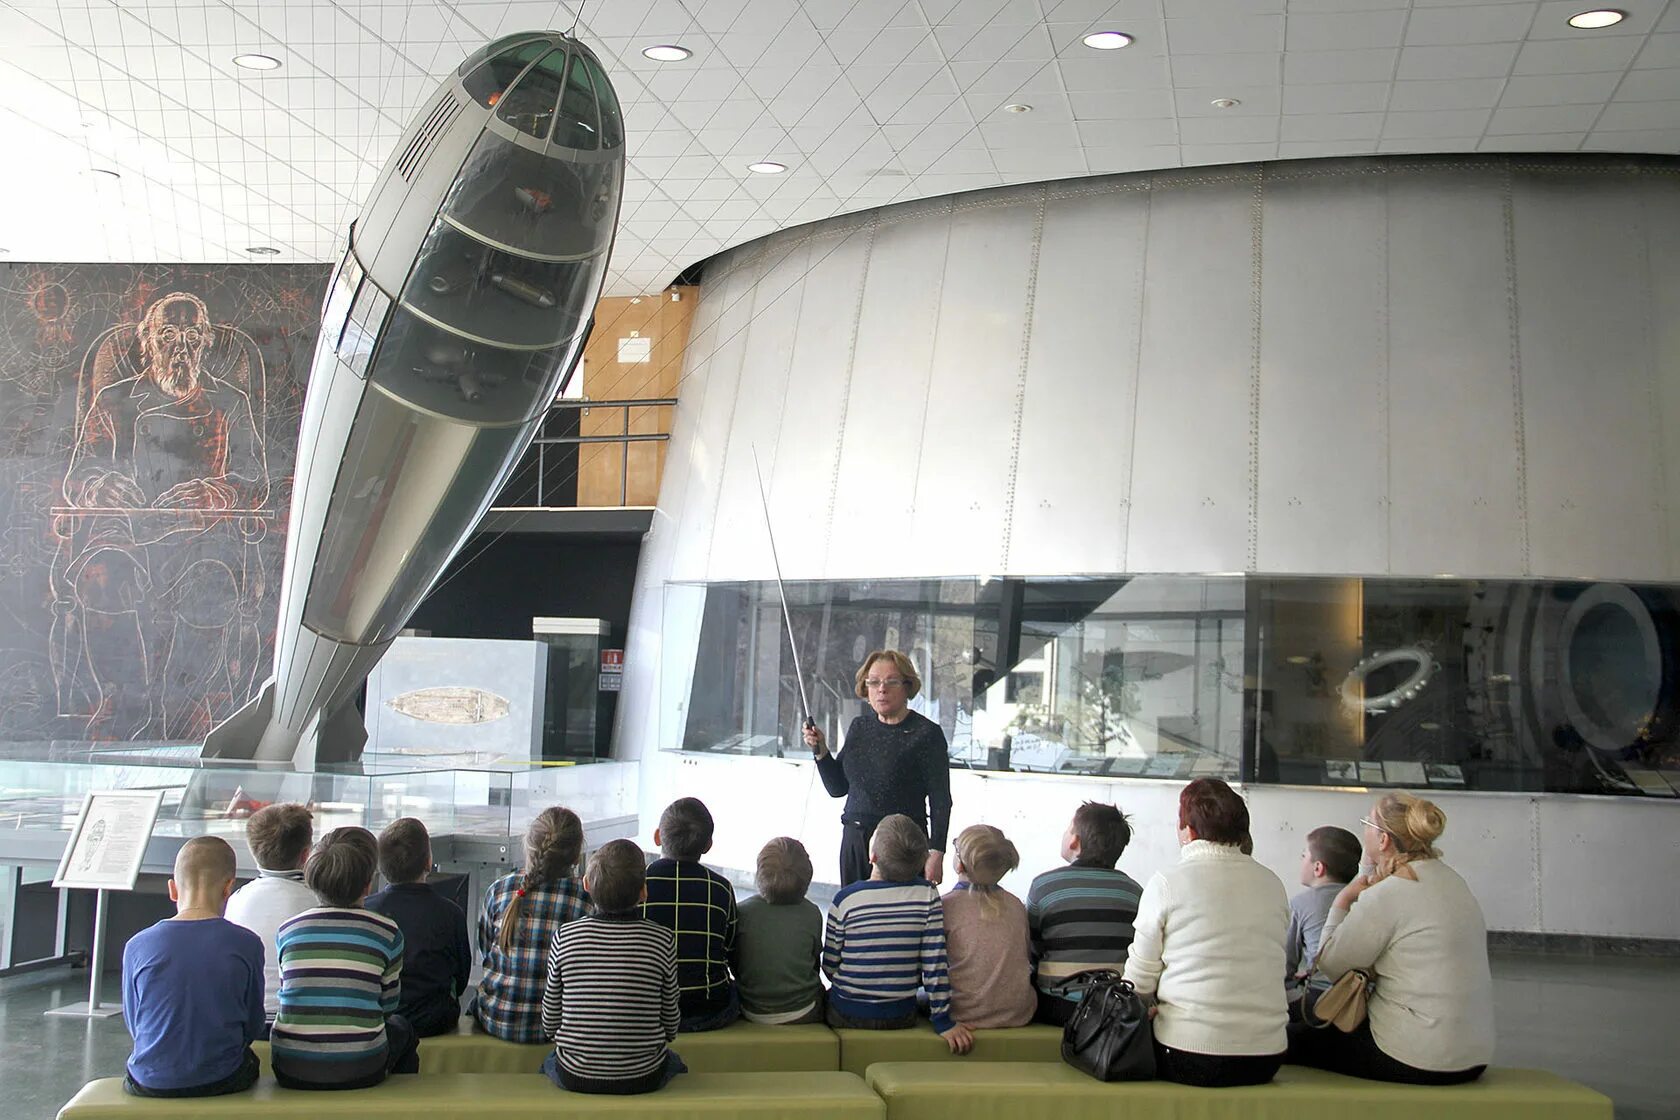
{"x":698,"y":905}
{"x":510,"y":995}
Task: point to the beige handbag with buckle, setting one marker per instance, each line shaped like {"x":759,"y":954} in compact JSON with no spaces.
{"x":1343,"y":1006}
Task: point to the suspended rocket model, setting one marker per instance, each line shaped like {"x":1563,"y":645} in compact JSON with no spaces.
{"x":457,"y":314}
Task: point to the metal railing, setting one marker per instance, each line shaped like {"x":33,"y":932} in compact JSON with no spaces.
{"x":542,"y":446}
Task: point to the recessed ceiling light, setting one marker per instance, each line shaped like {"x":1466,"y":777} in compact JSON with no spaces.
{"x":767,"y":167}
{"x":264,"y":250}
{"x":1597,"y":18}
{"x":1017,"y":107}
{"x":1225,"y":103}
{"x":256,"y":62}
{"x":667,"y":52}
{"x":1107,"y":40}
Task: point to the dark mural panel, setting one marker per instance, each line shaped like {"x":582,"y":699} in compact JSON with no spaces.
{"x":148,"y":428}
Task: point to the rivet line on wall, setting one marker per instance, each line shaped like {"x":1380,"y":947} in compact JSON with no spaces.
{"x":927,"y":374}
{"x":1653,"y":401}
{"x":1508,"y":210}
{"x":1021,"y":385}
{"x":1384,"y":373}
{"x":846,"y":390}
{"x":1256,"y":223}
{"x":1140,"y":299}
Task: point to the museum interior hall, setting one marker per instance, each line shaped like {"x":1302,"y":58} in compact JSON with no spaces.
{"x":896,"y":559}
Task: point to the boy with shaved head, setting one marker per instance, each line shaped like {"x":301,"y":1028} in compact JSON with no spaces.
{"x":193,"y":986}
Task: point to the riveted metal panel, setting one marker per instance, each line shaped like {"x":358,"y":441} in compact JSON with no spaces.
{"x":1074,"y":469}
{"x":1659,"y":199}
{"x":875,"y":484}
{"x":1323,"y":377}
{"x":1190,"y":469}
{"x":800,"y":472}
{"x":1583,"y":302}
{"x":963,"y":477}
{"x":744,"y":551}
{"x":719,"y":367}
{"x":1453,"y":423}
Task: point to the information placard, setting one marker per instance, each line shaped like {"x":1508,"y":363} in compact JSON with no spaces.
{"x":109,"y":840}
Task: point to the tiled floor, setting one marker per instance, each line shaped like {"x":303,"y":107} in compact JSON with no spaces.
{"x":1611,"y":1022}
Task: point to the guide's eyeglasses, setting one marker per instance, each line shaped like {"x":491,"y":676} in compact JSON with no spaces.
{"x":874,"y":685}
{"x":1373,"y":824}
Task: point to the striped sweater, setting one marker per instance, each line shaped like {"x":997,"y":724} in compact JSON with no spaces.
{"x":340,"y":975}
{"x":885,"y":939}
{"x":1080,"y":917}
{"x":610,"y":1001}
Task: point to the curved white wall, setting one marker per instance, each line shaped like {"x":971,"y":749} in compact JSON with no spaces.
{"x":1411,"y":366}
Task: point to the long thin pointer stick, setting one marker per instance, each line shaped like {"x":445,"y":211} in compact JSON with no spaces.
{"x":787,"y":618}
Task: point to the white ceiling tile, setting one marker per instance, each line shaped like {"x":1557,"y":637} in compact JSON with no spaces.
{"x":1128,"y":134}
{"x":1403,"y":145}
{"x":965,"y":162}
{"x":1094,"y":105}
{"x":1576,"y":56}
{"x":1333,"y":126}
{"x":1559,"y":89}
{"x":1639,"y":116}
{"x":1354,"y":97}
{"x":1006,"y":79}
{"x":1227,"y":130}
{"x":1479,"y":60}
{"x":1465,"y":93}
{"x":1647,"y":140}
{"x":1552,"y":22}
{"x":1444,"y":123}
{"x":1029,"y":134}
{"x":1254,"y":101}
{"x":930,"y":185}
{"x":1317,"y":149}
{"x":1029,"y":43}
{"x":1043,"y":107}
{"x":1041,"y":163}
{"x":1144,"y":72}
{"x":1660,"y":51}
{"x":1247,"y":68}
{"x":1219,"y":9}
{"x":1226,"y":33}
{"x":1650,"y":85}
{"x":1469,"y":23}
{"x":1203,"y":154}
{"x":1534,"y":119}
{"x":1533,"y":142}
{"x":1307,"y":67}
{"x":929,"y":108}
{"x":1345,"y":30}
{"x":1108,"y":161}
{"x":907,"y":138}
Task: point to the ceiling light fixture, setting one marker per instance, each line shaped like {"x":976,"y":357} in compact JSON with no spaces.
{"x":1225,"y":103}
{"x":264,"y":250}
{"x":667,"y":52}
{"x":256,"y":62}
{"x":1017,"y":107}
{"x":1597,"y":18}
{"x":767,"y":167}
{"x":1107,"y":40}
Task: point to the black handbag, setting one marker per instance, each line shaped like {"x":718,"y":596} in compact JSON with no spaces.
{"x":1109,"y":1035}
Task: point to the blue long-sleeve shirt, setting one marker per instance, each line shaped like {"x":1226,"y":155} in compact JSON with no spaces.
{"x":193,"y":1000}
{"x":883,"y":940}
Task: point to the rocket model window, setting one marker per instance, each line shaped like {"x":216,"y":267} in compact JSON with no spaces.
{"x":490,"y":81}
{"x":579,"y":126}
{"x":529,"y":106}
{"x":361,"y":330}
{"x":336,"y":312}
{"x":612,"y":121}
{"x":495,"y":295}
{"x":445,"y":374}
{"x":505,"y":43}
{"x":557,"y":204}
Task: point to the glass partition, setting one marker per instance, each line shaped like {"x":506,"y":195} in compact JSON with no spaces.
{"x":1510,"y":685}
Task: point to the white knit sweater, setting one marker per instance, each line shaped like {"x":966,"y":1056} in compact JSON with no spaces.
{"x":1210,"y":948}
{"x":1427,"y":943}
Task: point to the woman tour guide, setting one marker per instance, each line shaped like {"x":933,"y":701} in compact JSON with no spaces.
{"x":894,"y":761}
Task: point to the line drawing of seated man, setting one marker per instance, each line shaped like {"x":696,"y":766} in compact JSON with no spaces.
{"x":157,"y":581}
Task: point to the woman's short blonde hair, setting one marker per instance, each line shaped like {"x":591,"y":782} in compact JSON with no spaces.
{"x":901,"y":665}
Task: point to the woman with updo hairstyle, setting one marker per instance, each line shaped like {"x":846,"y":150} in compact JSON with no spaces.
{"x":1208,"y":948}
{"x":987,"y":943}
{"x":1413,"y":923}
{"x":893,"y":761}
{"x":521,"y":913}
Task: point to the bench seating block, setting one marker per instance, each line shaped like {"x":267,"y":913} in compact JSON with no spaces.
{"x":742,"y":1047}
{"x":861,"y":1049}
{"x":1045,"y":1091}
{"x":805,"y":1095}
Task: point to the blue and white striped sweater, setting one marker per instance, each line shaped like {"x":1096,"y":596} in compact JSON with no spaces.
{"x":884,"y":940}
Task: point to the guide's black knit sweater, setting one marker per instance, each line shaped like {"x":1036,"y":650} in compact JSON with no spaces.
{"x":888,"y":768}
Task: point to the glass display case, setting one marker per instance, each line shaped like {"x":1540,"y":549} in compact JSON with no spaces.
{"x":1504,"y":685}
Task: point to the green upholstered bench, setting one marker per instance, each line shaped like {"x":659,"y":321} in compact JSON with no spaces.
{"x":1046,"y":1091}
{"x":861,"y":1049}
{"x":490,"y":1096}
{"x":742,"y":1047}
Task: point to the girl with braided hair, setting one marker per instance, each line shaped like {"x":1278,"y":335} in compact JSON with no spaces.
{"x":521,"y":913}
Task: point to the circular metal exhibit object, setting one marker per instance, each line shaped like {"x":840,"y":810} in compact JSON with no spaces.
{"x":1353,"y":687}
{"x":1610,"y":667}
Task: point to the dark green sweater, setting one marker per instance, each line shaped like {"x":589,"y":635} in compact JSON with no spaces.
{"x":780,"y":949}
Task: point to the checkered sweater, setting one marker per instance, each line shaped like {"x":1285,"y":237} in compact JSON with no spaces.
{"x":510,"y":994}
